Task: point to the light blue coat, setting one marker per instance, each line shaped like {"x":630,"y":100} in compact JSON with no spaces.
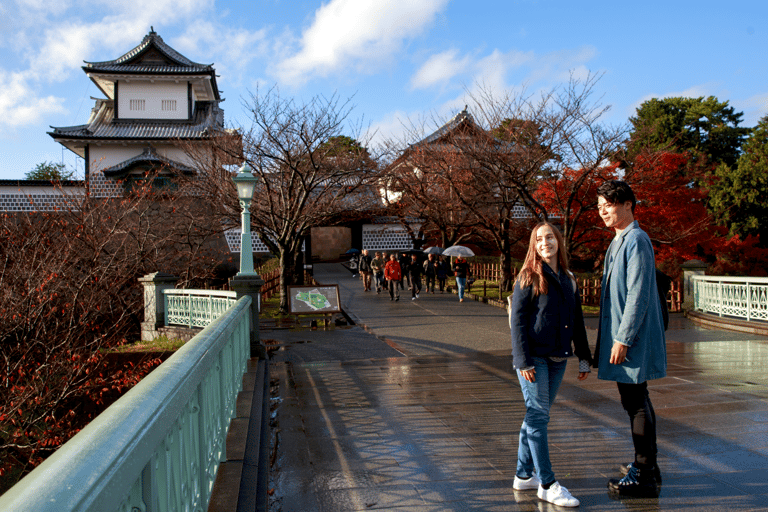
{"x":630,"y":312}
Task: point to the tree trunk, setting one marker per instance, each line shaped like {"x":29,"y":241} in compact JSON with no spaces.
{"x":285,"y":280}
{"x":505,"y":259}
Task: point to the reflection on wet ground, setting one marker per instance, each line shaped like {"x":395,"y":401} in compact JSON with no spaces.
{"x":429,"y":432}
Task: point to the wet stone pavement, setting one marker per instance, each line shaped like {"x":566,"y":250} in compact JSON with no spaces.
{"x":416,"y":408}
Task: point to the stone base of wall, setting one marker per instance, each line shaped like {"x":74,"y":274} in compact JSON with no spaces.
{"x":330,"y":243}
{"x":729,"y":324}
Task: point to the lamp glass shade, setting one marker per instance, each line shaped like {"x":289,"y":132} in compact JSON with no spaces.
{"x":245,"y":182}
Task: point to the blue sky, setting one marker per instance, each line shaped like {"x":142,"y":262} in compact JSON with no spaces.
{"x":397,"y":59}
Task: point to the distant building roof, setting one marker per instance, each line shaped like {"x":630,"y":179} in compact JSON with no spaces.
{"x":462,"y":117}
{"x":142,"y":59}
{"x":151,"y":57}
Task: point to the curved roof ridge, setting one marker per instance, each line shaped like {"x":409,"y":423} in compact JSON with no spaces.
{"x":452,"y":123}
{"x":152,"y":39}
{"x":151,"y":155}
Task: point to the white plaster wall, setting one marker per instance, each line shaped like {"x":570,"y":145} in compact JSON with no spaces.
{"x":105,"y":156}
{"x":153,"y":94}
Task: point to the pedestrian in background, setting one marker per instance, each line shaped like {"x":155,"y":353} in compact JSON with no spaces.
{"x":394,"y":276}
{"x":377,"y":267}
{"x":461,"y":271}
{"x":404,"y":260}
{"x":364,"y":265}
{"x":546,"y":322}
{"x":631,"y":347}
{"x":430,"y":273}
{"x":414,"y":276}
{"x":442,"y":272}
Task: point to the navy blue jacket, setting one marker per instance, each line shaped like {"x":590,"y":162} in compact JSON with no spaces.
{"x":547,"y":325}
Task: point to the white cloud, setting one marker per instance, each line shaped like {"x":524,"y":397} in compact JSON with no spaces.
{"x":362,"y":34}
{"x":499,"y":71}
{"x":231,"y":50}
{"x":440,"y":68}
{"x":754,"y":108}
{"x":20,"y":106}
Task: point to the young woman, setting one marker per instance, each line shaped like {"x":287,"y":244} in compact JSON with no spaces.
{"x":461,"y":270}
{"x":545,"y":318}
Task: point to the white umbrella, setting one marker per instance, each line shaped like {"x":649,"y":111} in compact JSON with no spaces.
{"x":433,"y":250}
{"x":458,"y":250}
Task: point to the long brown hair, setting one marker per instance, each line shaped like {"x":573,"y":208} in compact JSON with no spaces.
{"x":532,"y":272}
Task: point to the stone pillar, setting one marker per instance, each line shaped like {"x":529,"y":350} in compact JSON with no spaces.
{"x":691,"y":268}
{"x":154,"y":303}
{"x":250,"y":284}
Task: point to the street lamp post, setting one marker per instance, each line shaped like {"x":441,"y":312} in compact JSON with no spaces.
{"x":247,"y":281}
{"x":246,"y":183}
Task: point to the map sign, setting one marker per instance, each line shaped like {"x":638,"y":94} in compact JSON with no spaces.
{"x":314,"y":299}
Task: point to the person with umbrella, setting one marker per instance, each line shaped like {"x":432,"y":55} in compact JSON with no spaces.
{"x":460,"y":266}
{"x":441,"y":272}
{"x":462,"y":271}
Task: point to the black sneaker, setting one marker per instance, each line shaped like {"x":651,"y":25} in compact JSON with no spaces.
{"x":656,"y":471}
{"x":637,"y":483}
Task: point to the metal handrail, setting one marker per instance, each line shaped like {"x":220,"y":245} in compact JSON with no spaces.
{"x":738,"y":297}
{"x":196,"y":308}
{"x":159,"y":446}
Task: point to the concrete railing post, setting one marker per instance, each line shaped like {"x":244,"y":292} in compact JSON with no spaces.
{"x":250,"y":284}
{"x":691,"y":268}
{"x":154,"y":302}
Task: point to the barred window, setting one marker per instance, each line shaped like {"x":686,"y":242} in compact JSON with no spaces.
{"x":137,"y":104}
{"x":169,"y":105}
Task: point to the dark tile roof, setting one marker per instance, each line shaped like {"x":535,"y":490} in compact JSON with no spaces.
{"x":149,"y":156}
{"x":41,"y":183}
{"x":453,"y":123}
{"x":133,"y":61}
{"x":207,"y":118}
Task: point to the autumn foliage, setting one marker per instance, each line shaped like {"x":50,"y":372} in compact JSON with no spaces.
{"x":69,"y":292}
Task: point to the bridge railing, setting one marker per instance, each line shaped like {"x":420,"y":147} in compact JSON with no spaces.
{"x":738,"y":297}
{"x":159,"y":446}
{"x":196,"y":308}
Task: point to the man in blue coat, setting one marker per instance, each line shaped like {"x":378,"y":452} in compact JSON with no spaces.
{"x":631,"y":348}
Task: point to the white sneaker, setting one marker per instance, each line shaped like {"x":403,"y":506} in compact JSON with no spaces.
{"x":526,"y":484}
{"x":557,"y":495}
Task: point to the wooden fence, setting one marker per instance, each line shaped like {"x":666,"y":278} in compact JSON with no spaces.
{"x":272,"y":282}
{"x":588,"y":287}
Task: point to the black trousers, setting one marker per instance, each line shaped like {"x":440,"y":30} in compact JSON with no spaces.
{"x":642,"y":419}
{"x":415,"y":286}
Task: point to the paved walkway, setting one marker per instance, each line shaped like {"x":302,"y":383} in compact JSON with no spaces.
{"x":416,"y":409}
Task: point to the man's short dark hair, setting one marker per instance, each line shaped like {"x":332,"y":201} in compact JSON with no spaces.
{"x":617,"y":192}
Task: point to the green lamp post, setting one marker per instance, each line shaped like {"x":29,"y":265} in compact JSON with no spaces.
{"x":247,"y":281}
{"x":246,"y":183}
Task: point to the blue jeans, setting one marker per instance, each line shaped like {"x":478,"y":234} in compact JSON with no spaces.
{"x":533,"y":450}
{"x":461,"y":282}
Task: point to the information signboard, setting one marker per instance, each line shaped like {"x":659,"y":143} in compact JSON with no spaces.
{"x":314,"y":300}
